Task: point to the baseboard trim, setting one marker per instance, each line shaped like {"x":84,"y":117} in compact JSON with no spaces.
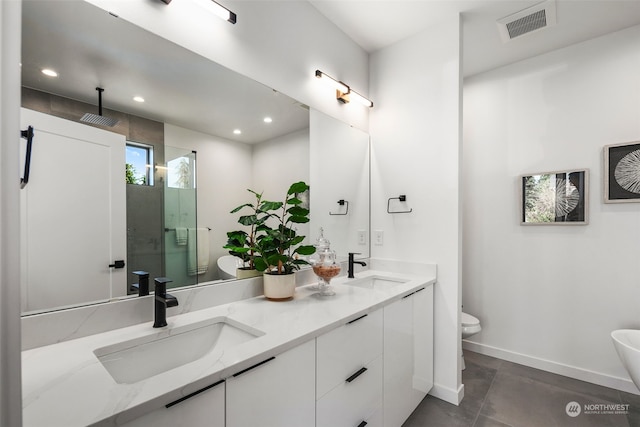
{"x":448,"y":394}
{"x":617,"y":383}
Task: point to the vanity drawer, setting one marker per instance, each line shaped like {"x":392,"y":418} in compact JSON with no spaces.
{"x":356,"y":403}
{"x":346,"y":349}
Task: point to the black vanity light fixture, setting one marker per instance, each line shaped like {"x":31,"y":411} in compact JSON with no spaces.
{"x":344,"y":93}
{"x":216,"y":8}
{"x":355,"y":96}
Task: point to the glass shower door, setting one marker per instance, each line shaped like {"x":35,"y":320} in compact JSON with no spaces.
{"x":182,"y":262}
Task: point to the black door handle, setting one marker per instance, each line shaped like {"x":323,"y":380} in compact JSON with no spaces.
{"x":28,"y":135}
{"x":117,"y":264}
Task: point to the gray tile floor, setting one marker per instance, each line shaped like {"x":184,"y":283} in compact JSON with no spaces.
{"x":504,"y":394}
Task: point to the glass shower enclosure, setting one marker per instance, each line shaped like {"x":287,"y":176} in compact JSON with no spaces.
{"x":162,"y":234}
{"x":181,"y":258}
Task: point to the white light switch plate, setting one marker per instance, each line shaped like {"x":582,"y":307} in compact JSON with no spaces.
{"x":379,"y":237}
{"x":362,"y":237}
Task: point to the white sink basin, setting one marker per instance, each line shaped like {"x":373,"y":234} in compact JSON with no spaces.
{"x":141,"y":358}
{"x":627,"y":344}
{"x":375,"y":282}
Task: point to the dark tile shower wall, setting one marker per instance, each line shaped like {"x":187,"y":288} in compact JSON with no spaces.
{"x":145,"y":204}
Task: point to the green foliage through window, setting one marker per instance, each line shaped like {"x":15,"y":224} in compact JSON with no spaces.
{"x":139,"y":158}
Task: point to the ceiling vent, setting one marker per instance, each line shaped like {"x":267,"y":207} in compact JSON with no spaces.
{"x":528,"y":20}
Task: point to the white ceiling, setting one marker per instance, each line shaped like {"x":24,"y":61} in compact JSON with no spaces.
{"x":89,"y":48}
{"x":375,"y":24}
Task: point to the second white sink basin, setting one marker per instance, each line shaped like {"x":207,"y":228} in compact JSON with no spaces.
{"x":141,"y":358}
{"x":375,"y":282}
{"x":627,"y":344}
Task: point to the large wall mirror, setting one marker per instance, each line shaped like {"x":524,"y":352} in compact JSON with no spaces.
{"x":186,"y":168}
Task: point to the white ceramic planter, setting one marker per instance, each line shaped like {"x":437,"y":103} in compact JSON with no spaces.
{"x":279,"y":287}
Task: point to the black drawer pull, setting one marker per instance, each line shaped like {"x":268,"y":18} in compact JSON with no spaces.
{"x":190,"y":395}
{"x":414,"y":292}
{"x":254,"y":366}
{"x":356,"y":319}
{"x":356,"y":375}
{"x":362,"y":424}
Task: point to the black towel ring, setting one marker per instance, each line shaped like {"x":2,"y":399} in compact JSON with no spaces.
{"x":341,"y":202}
{"x":402,"y":198}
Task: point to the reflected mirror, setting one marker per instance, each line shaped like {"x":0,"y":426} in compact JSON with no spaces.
{"x":340,"y":174}
{"x":201,"y":138}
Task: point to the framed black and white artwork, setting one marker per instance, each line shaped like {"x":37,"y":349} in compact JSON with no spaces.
{"x":622,"y":173}
{"x":555,"y":198}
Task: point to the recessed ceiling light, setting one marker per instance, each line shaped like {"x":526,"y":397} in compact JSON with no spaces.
{"x":268,"y":119}
{"x":49,"y":72}
{"x":138,"y":99}
{"x":237,"y":131}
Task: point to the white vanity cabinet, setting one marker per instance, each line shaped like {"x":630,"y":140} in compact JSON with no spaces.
{"x":349,"y":374}
{"x":408,"y":354}
{"x":278,"y":392}
{"x":205,"y":408}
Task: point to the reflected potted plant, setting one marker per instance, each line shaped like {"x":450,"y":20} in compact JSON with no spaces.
{"x":279,"y":248}
{"x":242,"y":244}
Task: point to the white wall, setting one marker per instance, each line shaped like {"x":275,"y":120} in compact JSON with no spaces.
{"x":415,"y":135}
{"x":280,"y":162}
{"x":277,"y":164}
{"x":278,"y":43}
{"x":550,"y":296}
{"x":10,"y":356}
{"x":224,"y":173}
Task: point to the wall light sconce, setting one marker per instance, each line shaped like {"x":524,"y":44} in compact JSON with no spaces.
{"x":216,"y":8}
{"x":355,"y":96}
{"x":344,"y":93}
{"x":337,"y":85}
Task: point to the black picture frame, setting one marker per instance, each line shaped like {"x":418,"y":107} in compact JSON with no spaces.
{"x":622,"y":173}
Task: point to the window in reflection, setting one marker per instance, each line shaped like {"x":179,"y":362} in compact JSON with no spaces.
{"x":181,"y":173}
{"x":139,"y":158}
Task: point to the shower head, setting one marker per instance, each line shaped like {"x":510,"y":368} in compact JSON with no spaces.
{"x":99,"y":119}
{"x":96,"y":119}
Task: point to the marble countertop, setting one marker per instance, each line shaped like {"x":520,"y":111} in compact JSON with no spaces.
{"x":66,"y":385}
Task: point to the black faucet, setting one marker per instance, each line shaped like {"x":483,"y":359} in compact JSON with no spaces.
{"x":351,"y":262}
{"x":143,"y":283}
{"x":162,"y":301}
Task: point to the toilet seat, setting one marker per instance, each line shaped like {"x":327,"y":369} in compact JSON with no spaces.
{"x":470,"y":325}
{"x":469,"y":320}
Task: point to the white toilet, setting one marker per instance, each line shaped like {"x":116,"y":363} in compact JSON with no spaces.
{"x":470,"y":326}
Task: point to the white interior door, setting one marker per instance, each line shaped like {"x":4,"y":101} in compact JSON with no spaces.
{"x":73,"y":214}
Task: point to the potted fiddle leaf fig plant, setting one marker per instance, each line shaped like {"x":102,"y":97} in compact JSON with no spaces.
{"x":279,"y":246}
{"x":242,"y":244}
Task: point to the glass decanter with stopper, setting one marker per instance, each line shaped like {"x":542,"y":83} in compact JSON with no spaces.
{"x":325,"y":265}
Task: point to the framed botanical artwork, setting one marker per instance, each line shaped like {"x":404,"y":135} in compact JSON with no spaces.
{"x":555,"y":198}
{"x":622,"y":173}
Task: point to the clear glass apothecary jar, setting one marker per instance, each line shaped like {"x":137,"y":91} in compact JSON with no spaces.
{"x":325,"y":265}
